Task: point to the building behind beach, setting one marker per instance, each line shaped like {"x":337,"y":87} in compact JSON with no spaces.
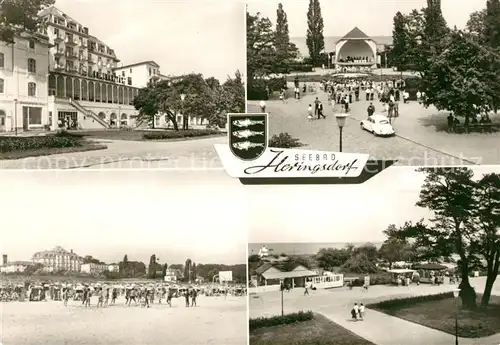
{"x":58,"y":259}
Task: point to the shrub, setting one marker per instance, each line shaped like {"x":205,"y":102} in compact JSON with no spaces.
{"x":171,"y":134}
{"x":301,"y":67}
{"x":399,"y":303}
{"x":284,"y":141}
{"x":60,"y":140}
{"x":287,"y":319}
{"x":276,"y":84}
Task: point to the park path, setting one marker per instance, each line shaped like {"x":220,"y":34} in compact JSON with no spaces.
{"x":379,"y":328}
{"x":382,"y":329}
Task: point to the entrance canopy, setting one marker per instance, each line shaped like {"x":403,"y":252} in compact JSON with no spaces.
{"x":356,"y":49}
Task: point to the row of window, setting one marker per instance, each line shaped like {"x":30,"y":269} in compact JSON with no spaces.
{"x":31,"y":88}
{"x":31,"y":63}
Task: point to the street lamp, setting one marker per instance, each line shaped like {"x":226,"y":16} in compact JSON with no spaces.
{"x":341,"y":119}
{"x":456,"y":293}
{"x":184,"y":124}
{"x":282,"y":287}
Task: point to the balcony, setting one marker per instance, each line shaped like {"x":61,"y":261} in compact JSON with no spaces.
{"x":73,"y":70}
{"x":70,"y":41}
{"x":83,"y":44}
{"x":89,"y":60}
{"x":58,"y":39}
{"x":59,"y":67}
{"x":59,"y":52}
{"x":71,"y":56}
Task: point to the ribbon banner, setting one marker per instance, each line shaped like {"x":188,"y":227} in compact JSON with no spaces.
{"x":248,"y":158}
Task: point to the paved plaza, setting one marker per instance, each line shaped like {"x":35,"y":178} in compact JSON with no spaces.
{"x":420,"y":138}
{"x":215,"y":321}
{"x":197,"y":154}
{"x":379,"y":328}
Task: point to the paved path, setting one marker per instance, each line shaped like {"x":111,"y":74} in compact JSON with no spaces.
{"x":197,"y":154}
{"x":379,"y":328}
{"x":420,"y":139}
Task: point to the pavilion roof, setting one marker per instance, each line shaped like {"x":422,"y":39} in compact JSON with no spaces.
{"x":355,"y":34}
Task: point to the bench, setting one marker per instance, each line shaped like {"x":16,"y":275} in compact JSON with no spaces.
{"x":477,"y":127}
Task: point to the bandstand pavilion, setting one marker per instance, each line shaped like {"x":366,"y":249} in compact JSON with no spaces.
{"x":355,"y":52}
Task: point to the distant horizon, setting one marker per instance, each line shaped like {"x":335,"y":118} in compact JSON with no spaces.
{"x":298,"y":248}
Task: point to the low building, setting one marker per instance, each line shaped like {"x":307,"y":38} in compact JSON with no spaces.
{"x":172,"y":275}
{"x":15,"y":266}
{"x":113,"y":268}
{"x":267,"y":274}
{"x":93,"y":268}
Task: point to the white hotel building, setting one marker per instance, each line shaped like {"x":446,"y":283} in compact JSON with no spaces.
{"x":63,"y":74}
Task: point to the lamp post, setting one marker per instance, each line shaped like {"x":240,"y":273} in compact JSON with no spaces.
{"x":282,"y":287}
{"x":184,"y":124}
{"x":456,"y":293}
{"x":341,"y":119}
{"x":15,"y":115}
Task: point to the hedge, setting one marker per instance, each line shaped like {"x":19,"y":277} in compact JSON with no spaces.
{"x":399,"y":303}
{"x":287,"y":319}
{"x":301,"y":68}
{"x":171,"y":134}
{"x":59,"y":140}
{"x":375,"y":279}
{"x":284,"y":141}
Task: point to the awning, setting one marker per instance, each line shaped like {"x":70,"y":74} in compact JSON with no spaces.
{"x":292,"y":274}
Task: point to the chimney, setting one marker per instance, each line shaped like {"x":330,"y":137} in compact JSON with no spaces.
{"x":71,"y":251}
{"x":4,"y":259}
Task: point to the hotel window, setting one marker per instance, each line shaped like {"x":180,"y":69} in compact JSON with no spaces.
{"x":1,"y":86}
{"x":129,"y":80}
{"x":32,"y":44}
{"x":150,"y":72}
{"x":2,"y":60}
{"x":56,"y":31}
{"x":31,"y":89}
{"x":123,"y":73}
{"x":131,"y":70}
{"x":34,"y":116}
{"x":32,"y":65}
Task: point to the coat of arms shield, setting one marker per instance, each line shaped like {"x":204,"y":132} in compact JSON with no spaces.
{"x":248,"y":135}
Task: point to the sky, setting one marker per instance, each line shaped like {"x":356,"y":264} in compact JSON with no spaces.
{"x":374,"y":17}
{"x":202,"y":36}
{"x":338,"y":213}
{"x":107,"y":214}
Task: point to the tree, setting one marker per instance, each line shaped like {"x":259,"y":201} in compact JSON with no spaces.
{"x":285,"y":50}
{"x":194,"y":273}
{"x":20,"y":16}
{"x":154,"y":100}
{"x":463,"y":78}
{"x":89,"y":259}
{"x":393,"y":250}
{"x":315,"y":39}
{"x":152,"y":267}
{"x":449,"y":194}
{"x":187,"y":270}
{"x":261,"y":52}
{"x":492,"y":24}
{"x":165,"y":268}
{"x":400,"y":45}
{"x":475,"y":25}
{"x":330,"y":258}
{"x":487,"y":196}
{"x":359,"y":263}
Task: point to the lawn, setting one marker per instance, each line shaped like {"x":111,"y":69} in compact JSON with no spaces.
{"x":440,"y":314}
{"x":319,"y":331}
{"x":50,"y":151}
{"x":141,"y":135}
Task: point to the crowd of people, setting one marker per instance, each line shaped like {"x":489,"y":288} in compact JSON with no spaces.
{"x":144,"y":294}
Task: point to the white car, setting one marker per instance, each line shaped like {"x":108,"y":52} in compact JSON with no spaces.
{"x":378,"y":125}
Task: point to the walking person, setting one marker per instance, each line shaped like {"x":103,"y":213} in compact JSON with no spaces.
{"x":370,"y":110}
{"x":306,"y":291}
{"x":262,"y":106}
{"x":320,"y":111}
{"x":361,"y":312}
{"x":310,"y":113}
{"x":193,"y":298}
{"x":186,"y":297}
{"x":316,"y":106}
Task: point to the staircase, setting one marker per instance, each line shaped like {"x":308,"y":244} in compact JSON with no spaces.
{"x":88,"y":112}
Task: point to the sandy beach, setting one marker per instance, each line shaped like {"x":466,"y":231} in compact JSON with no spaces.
{"x":214,"y":321}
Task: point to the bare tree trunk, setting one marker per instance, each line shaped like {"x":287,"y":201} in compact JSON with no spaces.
{"x":493,"y":267}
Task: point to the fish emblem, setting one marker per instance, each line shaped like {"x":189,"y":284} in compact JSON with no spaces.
{"x":246,"y":134}
{"x":246,"y":145}
{"x":246,"y":123}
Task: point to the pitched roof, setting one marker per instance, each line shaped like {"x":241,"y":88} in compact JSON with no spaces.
{"x":291,"y":274}
{"x":355,"y":34}
{"x":263,"y":268}
{"x":150,"y":62}
{"x":430,"y":266}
